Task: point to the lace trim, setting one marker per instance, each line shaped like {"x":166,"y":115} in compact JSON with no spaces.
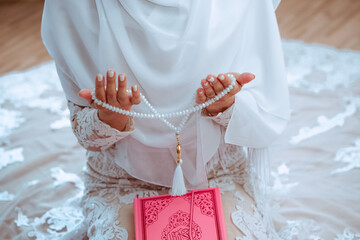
{"x":251,"y":224}
{"x":222,"y":118}
{"x":102,"y":219}
{"x":91,"y":132}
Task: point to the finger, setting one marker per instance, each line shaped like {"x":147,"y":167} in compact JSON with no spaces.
{"x":111,"y":87}
{"x":209,"y":91}
{"x":200,"y":96}
{"x":100,"y":88}
{"x":243,"y":78}
{"x":122,"y":96}
{"x":135,"y":98}
{"x":86,"y":94}
{"x":215,"y":84}
{"x":224,"y":80}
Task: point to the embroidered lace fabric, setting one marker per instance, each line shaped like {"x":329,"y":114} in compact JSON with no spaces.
{"x":315,"y":163}
{"x":109,"y":190}
{"x":92,"y":133}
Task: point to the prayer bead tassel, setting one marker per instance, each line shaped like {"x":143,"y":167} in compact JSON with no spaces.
{"x":178,"y":186}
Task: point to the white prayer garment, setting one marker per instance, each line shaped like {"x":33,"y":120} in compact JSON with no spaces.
{"x":166,"y":48}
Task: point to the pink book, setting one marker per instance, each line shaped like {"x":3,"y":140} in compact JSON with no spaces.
{"x":194,"y":216}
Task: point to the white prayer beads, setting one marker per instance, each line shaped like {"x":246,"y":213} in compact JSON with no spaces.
{"x":178,"y":186}
{"x":163,"y":116}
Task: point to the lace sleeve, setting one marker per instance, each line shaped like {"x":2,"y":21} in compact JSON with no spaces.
{"x":221,"y":118}
{"x":91,"y":132}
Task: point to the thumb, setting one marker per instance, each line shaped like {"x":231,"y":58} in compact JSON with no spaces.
{"x":244,"y":78}
{"x":86,"y":94}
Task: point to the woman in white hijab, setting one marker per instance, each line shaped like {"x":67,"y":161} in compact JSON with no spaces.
{"x":165,"y":50}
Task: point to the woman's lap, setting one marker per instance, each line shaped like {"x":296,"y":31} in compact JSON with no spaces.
{"x":108,"y":208}
{"x":108,"y":217}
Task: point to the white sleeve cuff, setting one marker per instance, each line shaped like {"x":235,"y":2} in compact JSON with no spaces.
{"x":222,"y":118}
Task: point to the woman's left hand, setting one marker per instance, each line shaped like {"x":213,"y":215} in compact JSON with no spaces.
{"x":212,"y":85}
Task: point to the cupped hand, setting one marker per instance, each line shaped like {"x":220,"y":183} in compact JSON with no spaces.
{"x":116,"y":97}
{"x":212,"y":85}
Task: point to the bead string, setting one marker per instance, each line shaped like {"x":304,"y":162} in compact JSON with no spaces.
{"x":176,"y":129}
{"x":178,"y":187}
{"x":163,"y":116}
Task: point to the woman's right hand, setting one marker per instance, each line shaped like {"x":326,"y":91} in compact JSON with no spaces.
{"x":115,"y":97}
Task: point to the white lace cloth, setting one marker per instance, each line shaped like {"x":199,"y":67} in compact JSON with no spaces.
{"x":109,"y":190}
{"x":315,"y":164}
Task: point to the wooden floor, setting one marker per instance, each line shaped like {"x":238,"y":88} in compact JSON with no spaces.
{"x":332,"y":22}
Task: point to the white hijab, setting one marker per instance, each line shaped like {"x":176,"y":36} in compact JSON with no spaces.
{"x":166,"y":47}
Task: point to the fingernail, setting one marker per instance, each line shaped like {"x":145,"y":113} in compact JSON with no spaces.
{"x":253,"y":76}
{"x":111,"y":73}
{"x":211,"y":79}
{"x":122,"y":78}
{"x":222,"y":77}
{"x":135,"y":88}
{"x":201,"y":92}
{"x":206,"y":84}
{"x":99,"y":77}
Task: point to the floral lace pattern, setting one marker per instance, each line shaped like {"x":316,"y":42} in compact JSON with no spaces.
{"x":92,"y":133}
{"x":350,"y":156}
{"x":251,"y":224}
{"x":103,"y":214}
{"x":221,"y":118}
